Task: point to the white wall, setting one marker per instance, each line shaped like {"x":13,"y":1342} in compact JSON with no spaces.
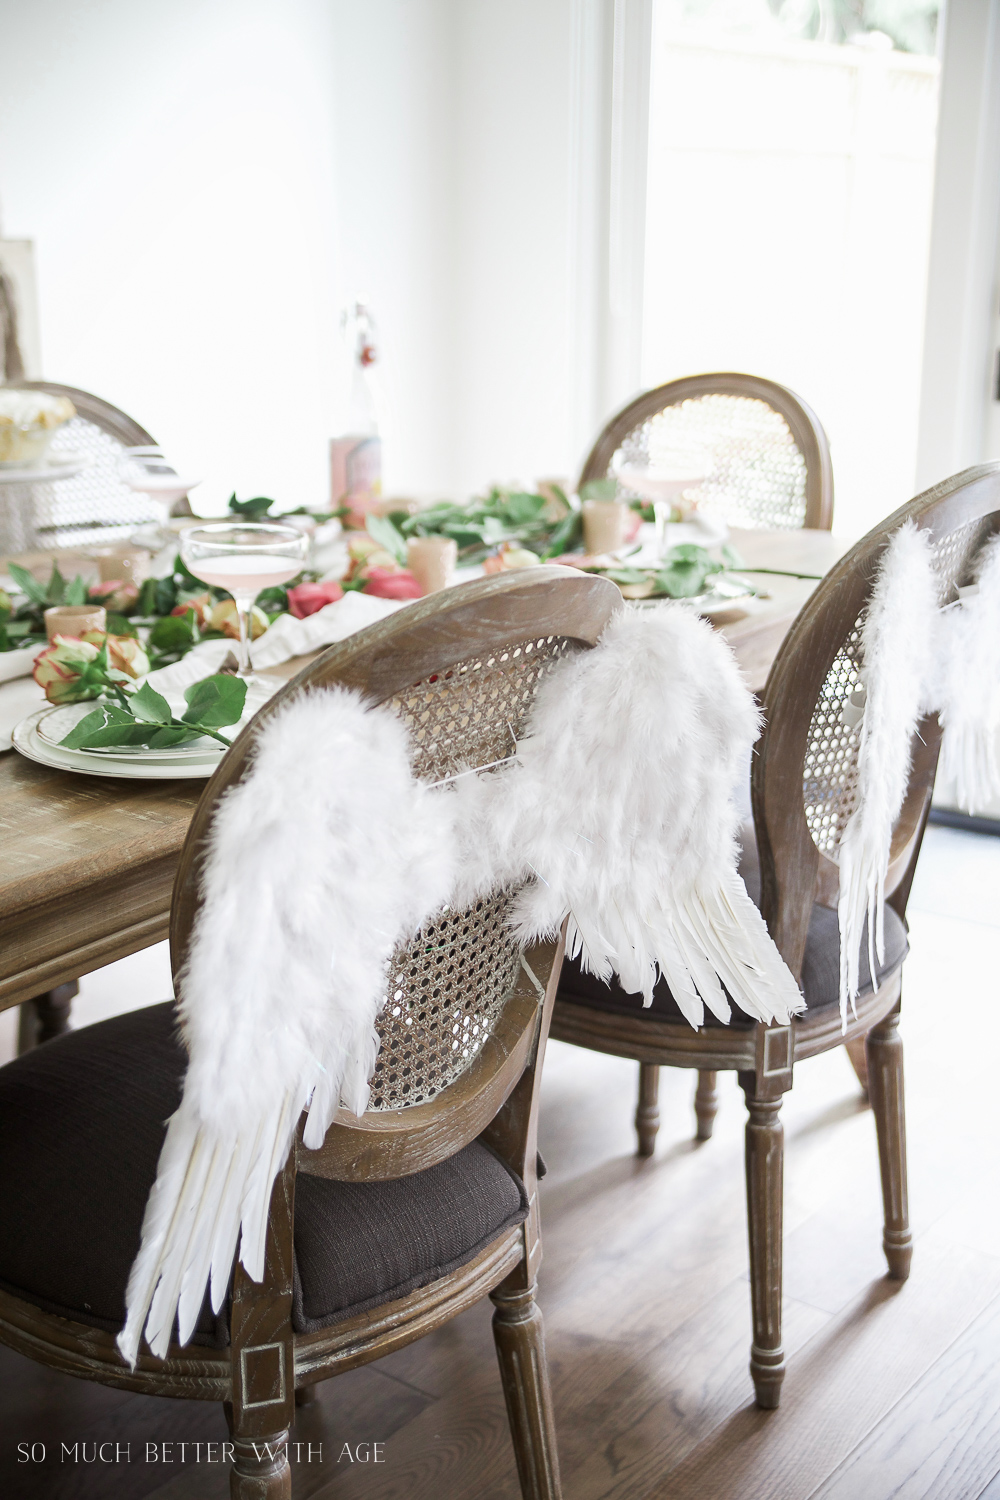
{"x":208,"y":182}
{"x":173,"y":164}
{"x":513,"y":343}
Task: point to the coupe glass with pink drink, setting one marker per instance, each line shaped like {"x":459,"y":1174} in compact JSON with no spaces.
{"x":243,"y":558}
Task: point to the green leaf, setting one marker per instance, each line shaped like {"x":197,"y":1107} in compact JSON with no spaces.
{"x":215,"y":701}
{"x":185,"y":579}
{"x":683,"y":580}
{"x":688,"y":552}
{"x":381,"y":530}
{"x":76,"y":592}
{"x":274,"y":601}
{"x":56,"y":591}
{"x":599,"y":489}
{"x":173,"y":632}
{"x":251,"y":510}
{"x":172,"y":734}
{"x":149,"y":706}
{"x":626,"y":575}
{"x":18,"y":628}
{"x":106,"y":725}
{"x":118,"y":625}
{"x":567,"y":534}
{"x":731,"y":557}
{"x":28,"y":584}
{"x":521,"y":509}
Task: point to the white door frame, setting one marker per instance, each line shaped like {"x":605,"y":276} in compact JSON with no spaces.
{"x":959,"y":415}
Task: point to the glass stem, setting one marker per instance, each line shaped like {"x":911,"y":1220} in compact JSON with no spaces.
{"x":243,"y":607}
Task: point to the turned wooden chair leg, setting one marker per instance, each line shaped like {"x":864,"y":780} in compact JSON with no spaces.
{"x":706,"y":1104}
{"x":885,"y":1089}
{"x":765,"y":1150}
{"x":261,"y":1470}
{"x":647,"y":1114}
{"x":520,"y":1340}
{"x":45,"y":1016}
{"x":857,"y":1051}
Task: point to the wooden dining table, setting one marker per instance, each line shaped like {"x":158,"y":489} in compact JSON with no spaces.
{"x":87,"y":865}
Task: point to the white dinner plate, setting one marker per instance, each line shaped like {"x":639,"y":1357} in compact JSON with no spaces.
{"x":29,"y":742}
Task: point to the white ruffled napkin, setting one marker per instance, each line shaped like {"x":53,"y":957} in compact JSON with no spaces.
{"x":289,"y":637}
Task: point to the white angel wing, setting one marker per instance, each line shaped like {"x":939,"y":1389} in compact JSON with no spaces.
{"x":620,"y":805}
{"x":968,"y":692}
{"x":897,"y":638}
{"x":319,"y":863}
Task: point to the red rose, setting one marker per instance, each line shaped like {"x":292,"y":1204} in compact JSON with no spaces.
{"x":307,"y":598}
{"x":387,"y":585}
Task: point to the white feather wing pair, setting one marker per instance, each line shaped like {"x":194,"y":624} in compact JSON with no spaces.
{"x":619,"y":805}
{"x":329,"y":854}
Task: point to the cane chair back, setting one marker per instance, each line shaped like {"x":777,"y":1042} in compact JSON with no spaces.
{"x":462,"y":670}
{"x":95,"y":504}
{"x":806,"y":770}
{"x":771,"y":458}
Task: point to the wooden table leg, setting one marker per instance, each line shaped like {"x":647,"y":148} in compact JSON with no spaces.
{"x":45,"y":1016}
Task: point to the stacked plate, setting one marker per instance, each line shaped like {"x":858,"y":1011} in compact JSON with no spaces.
{"x":39,"y":735}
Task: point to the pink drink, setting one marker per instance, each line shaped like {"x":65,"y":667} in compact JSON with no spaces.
{"x":246,"y":572}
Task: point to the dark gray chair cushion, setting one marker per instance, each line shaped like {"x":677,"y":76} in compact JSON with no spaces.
{"x":82,"y":1120}
{"x":820,"y":967}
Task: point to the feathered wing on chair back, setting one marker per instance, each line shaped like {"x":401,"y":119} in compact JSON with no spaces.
{"x":93,"y":505}
{"x":844,"y":772}
{"x":353,"y":900}
{"x":452,"y":681}
{"x":772,"y":464}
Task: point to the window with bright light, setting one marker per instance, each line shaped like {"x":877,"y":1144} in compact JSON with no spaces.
{"x":791,"y":164}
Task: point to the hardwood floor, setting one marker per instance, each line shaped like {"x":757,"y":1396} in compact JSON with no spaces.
{"x":891,"y":1391}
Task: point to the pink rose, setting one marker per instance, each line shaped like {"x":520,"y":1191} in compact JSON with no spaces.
{"x":386,"y":585}
{"x":59,"y":669}
{"x":115,"y":593}
{"x":307,"y":598}
{"x":202,"y":606}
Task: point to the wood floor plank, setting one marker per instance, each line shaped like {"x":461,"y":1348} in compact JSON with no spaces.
{"x":941,"y":1441}
{"x":842,"y":1383}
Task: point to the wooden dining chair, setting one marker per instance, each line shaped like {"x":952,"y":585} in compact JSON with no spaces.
{"x":804,"y":786}
{"x":403,"y":1217}
{"x":772,"y":465}
{"x":94,"y":506}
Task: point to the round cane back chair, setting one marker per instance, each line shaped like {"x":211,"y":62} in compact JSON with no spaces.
{"x":463,"y":1035}
{"x":94,"y":505}
{"x":808,"y":746}
{"x":771,"y":457}
{"x":804,"y":788}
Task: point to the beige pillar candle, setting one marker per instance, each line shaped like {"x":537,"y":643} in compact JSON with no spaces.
{"x":603,"y":525}
{"x":130,"y":564}
{"x":431,"y":560}
{"x":74,"y":619}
